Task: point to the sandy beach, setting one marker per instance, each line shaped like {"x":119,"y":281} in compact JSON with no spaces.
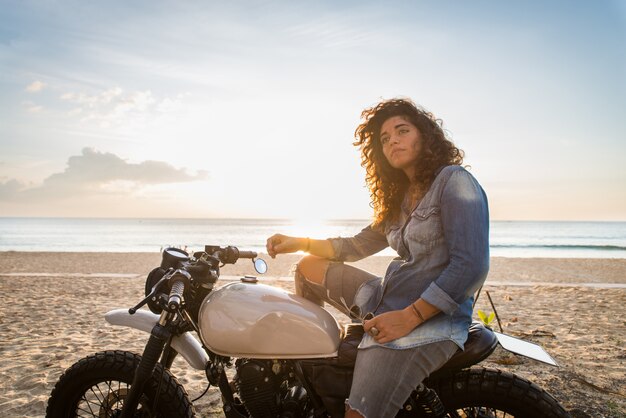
{"x":53,"y":307}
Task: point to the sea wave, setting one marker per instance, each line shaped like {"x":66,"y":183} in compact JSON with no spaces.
{"x":562,"y":247}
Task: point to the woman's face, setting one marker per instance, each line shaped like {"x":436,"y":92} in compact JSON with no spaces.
{"x":401,"y":142}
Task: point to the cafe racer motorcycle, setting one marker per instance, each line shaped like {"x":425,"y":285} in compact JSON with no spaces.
{"x":286,"y":356}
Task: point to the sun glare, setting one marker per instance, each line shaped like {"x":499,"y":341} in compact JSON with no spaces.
{"x":310,"y":227}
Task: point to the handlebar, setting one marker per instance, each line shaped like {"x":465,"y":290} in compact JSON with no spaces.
{"x":228,"y":255}
{"x":178,"y":271}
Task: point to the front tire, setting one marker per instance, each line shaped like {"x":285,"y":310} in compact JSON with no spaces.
{"x":97,"y":385}
{"x":483,"y":392}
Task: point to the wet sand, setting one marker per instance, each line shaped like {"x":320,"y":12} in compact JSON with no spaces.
{"x":53,"y":307}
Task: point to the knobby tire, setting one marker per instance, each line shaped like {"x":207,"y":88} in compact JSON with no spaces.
{"x":95,"y":386}
{"x":485,"y":392}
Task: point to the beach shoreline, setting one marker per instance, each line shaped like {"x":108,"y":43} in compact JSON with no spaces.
{"x":51,"y":320}
{"x":502,"y":269}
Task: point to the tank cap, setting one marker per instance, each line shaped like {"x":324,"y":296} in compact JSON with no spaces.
{"x":249,"y":279}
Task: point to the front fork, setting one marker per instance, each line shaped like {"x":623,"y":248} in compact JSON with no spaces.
{"x":159,"y":336}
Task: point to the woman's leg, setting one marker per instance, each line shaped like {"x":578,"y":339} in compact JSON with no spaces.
{"x":321,"y":280}
{"x":313,"y":268}
{"x":384,"y":377}
{"x":309,"y":278}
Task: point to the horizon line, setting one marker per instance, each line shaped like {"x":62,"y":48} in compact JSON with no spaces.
{"x":278,"y":219}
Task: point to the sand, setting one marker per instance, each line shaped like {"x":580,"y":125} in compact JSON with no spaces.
{"x":53,"y":306}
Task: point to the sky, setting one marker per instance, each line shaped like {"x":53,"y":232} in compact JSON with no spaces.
{"x":248,"y":109}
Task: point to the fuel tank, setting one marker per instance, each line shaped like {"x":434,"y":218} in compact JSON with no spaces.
{"x":260,"y":321}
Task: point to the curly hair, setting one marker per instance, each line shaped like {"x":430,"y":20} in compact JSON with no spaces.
{"x":388,"y":185}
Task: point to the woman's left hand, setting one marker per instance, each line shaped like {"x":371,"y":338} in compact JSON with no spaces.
{"x":392,"y":325}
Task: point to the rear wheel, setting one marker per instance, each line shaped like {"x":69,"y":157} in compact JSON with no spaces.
{"x":97,"y":385}
{"x":490,"y":393}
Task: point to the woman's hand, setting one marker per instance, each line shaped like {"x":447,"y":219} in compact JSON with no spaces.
{"x":392,"y":325}
{"x":281,"y":244}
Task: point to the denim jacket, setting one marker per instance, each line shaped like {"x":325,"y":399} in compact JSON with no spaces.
{"x":443,"y":248}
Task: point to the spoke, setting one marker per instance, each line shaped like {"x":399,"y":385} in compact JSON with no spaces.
{"x":100,"y":401}
{"x":87,"y":401}
{"x":91,"y":410}
{"x":479,"y":412}
{"x":110,"y":389}
{"x":95,"y":394}
{"x":84,"y":410}
{"x":119,"y":390}
{"x":104,"y":397}
{"x":98,"y":404}
{"x":113,"y":396}
{"x":115,"y":393}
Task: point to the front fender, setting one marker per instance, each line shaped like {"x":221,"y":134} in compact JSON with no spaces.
{"x":185,"y":344}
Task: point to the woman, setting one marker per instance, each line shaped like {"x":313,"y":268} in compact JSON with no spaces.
{"x":434,"y":214}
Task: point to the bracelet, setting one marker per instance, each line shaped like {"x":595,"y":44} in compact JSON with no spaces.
{"x":308,"y":244}
{"x":417,"y":312}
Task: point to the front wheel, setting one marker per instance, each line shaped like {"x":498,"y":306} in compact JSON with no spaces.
{"x":491,"y":393}
{"x":97,"y":385}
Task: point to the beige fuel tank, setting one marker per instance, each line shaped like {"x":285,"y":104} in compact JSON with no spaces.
{"x":260,"y":321}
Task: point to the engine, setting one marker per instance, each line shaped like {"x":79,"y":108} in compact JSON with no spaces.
{"x":266,"y":390}
{"x":257,"y":387}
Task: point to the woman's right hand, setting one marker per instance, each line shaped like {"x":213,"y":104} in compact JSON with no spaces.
{"x":281,"y":244}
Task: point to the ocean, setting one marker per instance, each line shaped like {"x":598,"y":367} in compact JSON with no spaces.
{"x":507,"y":238}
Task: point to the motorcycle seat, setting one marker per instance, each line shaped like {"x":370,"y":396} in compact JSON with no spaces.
{"x":481,"y":342}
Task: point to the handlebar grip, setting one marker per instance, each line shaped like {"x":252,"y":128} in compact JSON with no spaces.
{"x":228,"y":255}
{"x":176,"y":295}
{"x":247,"y":254}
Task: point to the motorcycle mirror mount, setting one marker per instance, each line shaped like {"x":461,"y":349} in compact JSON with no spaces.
{"x":260,"y":265}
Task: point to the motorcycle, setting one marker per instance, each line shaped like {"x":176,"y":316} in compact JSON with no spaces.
{"x":289,"y":356}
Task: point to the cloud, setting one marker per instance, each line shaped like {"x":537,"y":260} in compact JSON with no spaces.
{"x":32,"y":107}
{"x":99,"y":173}
{"x":92,"y":101}
{"x":10,"y":188}
{"x":35,"y":86}
{"x":114,"y":104}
